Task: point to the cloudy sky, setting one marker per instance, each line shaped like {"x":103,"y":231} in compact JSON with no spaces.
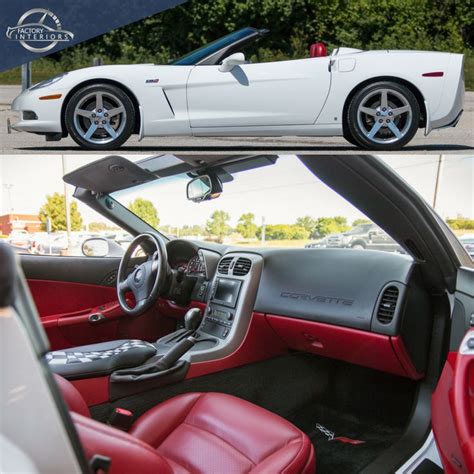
{"x":280,"y":193}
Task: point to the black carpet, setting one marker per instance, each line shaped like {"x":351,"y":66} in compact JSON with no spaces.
{"x":351,"y":401}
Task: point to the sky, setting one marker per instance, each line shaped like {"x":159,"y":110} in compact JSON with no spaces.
{"x":279,"y":193}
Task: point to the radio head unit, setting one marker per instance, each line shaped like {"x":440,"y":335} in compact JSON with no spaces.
{"x":226,"y":292}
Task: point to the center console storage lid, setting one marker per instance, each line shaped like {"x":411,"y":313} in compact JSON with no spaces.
{"x":100,"y":359}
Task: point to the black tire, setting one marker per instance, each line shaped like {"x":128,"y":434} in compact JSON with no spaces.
{"x":121,"y":124}
{"x":360,"y":125}
{"x":359,"y":245}
{"x":348,"y":136}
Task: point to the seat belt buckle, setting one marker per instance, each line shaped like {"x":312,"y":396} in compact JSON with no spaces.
{"x":121,"y":419}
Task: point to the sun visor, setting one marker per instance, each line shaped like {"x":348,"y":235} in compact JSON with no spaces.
{"x":108,"y":175}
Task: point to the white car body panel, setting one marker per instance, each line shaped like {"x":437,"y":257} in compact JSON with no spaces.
{"x":444,"y":95}
{"x":299,"y":97}
{"x":260,"y":94}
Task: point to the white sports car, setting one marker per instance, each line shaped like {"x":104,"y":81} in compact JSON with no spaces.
{"x":375,"y":99}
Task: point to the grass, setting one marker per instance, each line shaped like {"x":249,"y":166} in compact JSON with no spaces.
{"x":45,"y":68}
{"x":469,"y":72}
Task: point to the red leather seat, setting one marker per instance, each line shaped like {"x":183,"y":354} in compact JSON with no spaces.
{"x":317,"y":50}
{"x":196,"y":433}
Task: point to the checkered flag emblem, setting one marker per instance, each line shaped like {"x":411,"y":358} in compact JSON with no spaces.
{"x":77,"y":357}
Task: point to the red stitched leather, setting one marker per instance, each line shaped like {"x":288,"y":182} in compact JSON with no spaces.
{"x":71,"y":396}
{"x":127,"y":453}
{"x":198,"y":433}
{"x":220,"y":431}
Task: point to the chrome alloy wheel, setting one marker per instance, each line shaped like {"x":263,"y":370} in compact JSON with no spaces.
{"x":384,"y":116}
{"x":100,"y":117}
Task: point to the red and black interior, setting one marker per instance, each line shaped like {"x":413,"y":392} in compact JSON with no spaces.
{"x":321,"y":376}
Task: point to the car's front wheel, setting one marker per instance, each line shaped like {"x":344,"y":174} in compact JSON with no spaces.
{"x":383,"y":116}
{"x":100,"y":117}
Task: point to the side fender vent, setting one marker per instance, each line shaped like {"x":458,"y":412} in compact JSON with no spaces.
{"x":242,"y":266}
{"x":388,"y":305}
{"x":224,"y":264}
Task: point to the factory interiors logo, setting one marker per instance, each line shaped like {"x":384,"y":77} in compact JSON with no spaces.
{"x":38,"y":30}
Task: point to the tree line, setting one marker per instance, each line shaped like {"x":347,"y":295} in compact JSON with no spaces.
{"x":218,"y":225}
{"x":366,"y":24}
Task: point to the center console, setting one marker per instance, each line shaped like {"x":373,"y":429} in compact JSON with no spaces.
{"x":136,"y":366}
{"x":220,"y":312}
{"x":228,"y":312}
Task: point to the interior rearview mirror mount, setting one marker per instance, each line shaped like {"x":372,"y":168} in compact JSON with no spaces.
{"x":231,"y":61}
{"x":204,"y":188}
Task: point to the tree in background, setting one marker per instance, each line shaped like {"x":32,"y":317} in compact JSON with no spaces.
{"x":55,"y":210}
{"x":361,"y":221}
{"x":460,"y":223}
{"x":308,"y":223}
{"x":246,"y":226}
{"x":284,"y":232}
{"x":100,"y":227}
{"x":331,"y":225}
{"x":191,"y":230}
{"x":218,"y":225}
{"x":366,"y":24}
{"x":145,"y":210}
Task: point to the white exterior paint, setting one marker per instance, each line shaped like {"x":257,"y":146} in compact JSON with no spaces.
{"x":299,"y":97}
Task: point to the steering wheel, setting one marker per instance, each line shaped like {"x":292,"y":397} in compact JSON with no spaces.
{"x":147,"y":280}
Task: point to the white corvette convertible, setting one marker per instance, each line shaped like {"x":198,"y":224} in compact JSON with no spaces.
{"x":375,"y":99}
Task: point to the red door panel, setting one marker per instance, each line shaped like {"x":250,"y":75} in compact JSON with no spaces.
{"x":452,"y":410}
{"x":65,"y":307}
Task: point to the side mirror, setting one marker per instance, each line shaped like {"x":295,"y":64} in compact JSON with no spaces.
{"x":231,"y":61}
{"x":204,"y":188}
{"x":95,"y":247}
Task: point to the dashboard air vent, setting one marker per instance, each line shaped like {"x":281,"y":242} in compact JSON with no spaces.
{"x":242,"y":266}
{"x":388,"y":305}
{"x":224,"y":265}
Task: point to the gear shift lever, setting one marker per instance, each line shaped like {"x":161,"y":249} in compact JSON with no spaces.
{"x":192,"y":319}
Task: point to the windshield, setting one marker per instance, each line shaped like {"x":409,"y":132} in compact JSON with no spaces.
{"x":204,"y":51}
{"x":282,"y":205}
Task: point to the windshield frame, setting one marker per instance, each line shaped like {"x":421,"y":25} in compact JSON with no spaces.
{"x":213,"y":52}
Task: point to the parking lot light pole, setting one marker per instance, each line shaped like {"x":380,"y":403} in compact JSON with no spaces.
{"x":68,"y":207}
{"x":438,"y":181}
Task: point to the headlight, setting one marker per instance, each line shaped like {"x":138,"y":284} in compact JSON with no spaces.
{"x":48,"y":82}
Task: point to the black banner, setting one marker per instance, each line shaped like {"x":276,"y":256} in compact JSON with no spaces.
{"x":30,"y":29}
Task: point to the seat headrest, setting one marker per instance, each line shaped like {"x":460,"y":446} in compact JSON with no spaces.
{"x":71,"y":396}
{"x":317,"y":50}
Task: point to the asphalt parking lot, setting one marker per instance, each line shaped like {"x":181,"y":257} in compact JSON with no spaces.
{"x":451,"y":140}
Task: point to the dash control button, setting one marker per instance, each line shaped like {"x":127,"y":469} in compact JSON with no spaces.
{"x":470,"y":343}
{"x":471,"y":320}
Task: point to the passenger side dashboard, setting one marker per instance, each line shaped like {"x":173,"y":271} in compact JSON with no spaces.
{"x":332,"y":298}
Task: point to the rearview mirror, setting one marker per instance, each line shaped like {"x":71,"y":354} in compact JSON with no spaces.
{"x":204,"y":188}
{"x":95,"y":247}
{"x":231,"y":61}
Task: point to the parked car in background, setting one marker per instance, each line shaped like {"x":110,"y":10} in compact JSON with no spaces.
{"x":36,"y":239}
{"x":317,"y":244}
{"x":468,"y":243}
{"x":19,"y":238}
{"x":364,"y":236}
{"x":60,"y":243}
